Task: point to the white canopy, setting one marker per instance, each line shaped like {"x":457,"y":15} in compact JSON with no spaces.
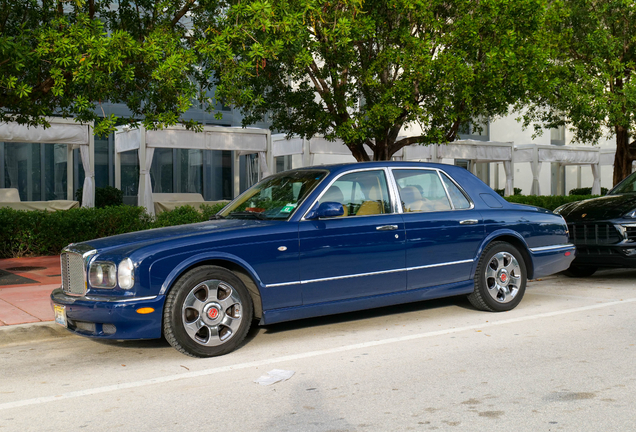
{"x":61,"y":131}
{"x":564,"y":155}
{"x":240,"y":140}
{"x":473,"y":150}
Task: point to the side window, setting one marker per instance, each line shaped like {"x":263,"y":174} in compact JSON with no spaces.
{"x":360,"y":193}
{"x":459,"y":199}
{"x":421,"y":191}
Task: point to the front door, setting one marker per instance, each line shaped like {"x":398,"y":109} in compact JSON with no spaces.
{"x":358,"y":254}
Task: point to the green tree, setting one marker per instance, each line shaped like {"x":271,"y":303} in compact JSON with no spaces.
{"x":590,"y":85}
{"x":362,"y":70}
{"x":67,"y":57}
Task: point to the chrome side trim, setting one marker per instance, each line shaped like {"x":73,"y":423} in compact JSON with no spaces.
{"x":351,"y":276}
{"x":303,"y":282}
{"x":553,"y":247}
{"x":282,"y":284}
{"x":440,"y":264}
{"x":134,"y":299}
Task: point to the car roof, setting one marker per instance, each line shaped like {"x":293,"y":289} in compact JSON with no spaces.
{"x":337,"y":168}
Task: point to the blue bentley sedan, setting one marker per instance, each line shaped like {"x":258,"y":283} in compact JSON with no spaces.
{"x":311,"y":242}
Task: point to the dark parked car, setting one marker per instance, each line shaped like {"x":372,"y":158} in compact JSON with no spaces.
{"x":603,"y":229}
{"x":311,"y":242}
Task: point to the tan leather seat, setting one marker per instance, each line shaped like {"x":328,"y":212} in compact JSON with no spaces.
{"x":334,"y":194}
{"x":412,"y":200}
{"x":374,"y":204}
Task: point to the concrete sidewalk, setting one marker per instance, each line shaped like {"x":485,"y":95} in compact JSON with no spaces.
{"x":25,"y":286}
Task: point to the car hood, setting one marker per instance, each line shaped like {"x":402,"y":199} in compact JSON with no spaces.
{"x":134,"y":240}
{"x":607,"y":207}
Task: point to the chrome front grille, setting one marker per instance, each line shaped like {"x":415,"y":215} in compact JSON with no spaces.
{"x":73,"y":279}
{"x":594,"y":234}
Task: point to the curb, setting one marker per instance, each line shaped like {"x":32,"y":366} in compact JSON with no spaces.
{"x":33,"y":332}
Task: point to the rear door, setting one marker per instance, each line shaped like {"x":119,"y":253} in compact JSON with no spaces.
{"x":443,"y":231}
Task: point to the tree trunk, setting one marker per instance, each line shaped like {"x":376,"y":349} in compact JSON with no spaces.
{"x":358,"y":152}
{"x":623,"y":158}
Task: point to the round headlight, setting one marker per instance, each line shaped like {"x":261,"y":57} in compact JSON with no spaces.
{"x":102,"y":275}
{"x":126,"y":274}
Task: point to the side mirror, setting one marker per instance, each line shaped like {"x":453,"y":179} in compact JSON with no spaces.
{"x":326,"y":210}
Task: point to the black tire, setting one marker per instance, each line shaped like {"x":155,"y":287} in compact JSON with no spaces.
{"x":579,"y":271}
{"x":500,"y":278}
{"x":213,"y":300}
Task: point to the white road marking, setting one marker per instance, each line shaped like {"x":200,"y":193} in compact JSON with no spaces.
{"x":258,"y":363}
{"x":570,"y":296}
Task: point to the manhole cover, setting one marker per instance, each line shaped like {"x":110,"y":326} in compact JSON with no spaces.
{"x":25,"y":269}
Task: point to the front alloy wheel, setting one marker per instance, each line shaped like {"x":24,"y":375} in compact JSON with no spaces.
{"x":208,"y":312}
{"x":500,"y":279}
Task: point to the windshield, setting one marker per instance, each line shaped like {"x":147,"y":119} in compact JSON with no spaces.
{"x":626,"y":186}
{"x":276,"y":197}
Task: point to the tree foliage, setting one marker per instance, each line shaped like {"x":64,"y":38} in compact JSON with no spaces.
{"x":362,"y":71}
{"x":66,"y":57}
{"x":590,"y":85}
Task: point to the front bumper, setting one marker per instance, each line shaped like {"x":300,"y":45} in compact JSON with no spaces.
{"x":606,"y":256}
{"x":111,"y":318}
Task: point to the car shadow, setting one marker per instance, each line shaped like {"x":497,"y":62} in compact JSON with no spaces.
{"x":459,"y":301}
{"x":146,"y":344}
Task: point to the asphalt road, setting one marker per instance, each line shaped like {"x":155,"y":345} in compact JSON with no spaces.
{"x":564,"y":360}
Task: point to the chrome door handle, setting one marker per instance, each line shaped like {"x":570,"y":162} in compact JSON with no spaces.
{"x":468,"y":222}
{"x":387,"y":228}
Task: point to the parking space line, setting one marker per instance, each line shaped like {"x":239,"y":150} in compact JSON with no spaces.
{"x":299,"y":356}
{"x":604,"y":299}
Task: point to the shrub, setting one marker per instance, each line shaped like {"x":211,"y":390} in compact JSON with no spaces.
{"x":549,"y":202}
{"x":104,"y":196}
{"x":586,"y":191}
{"x":36,"y":233}
{"x":179,"y":216}
{"x":502,"y":191}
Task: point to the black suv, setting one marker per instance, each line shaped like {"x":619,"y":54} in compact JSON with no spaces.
{"x":603,"y":229}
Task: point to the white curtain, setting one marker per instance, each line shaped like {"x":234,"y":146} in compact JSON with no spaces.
{"x":596,"y":186}
{"x":88,"y":190}
{"x":509,"y":186}
{"x":145,"y":200}
{"x":536,"y":170}
{"x":262,"y":160}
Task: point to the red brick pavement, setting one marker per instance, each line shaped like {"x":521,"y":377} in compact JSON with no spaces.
{"x":28,"y":303}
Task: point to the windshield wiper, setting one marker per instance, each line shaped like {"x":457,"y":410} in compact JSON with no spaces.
{"x":260,"y":216}
{"x":216,"y":216}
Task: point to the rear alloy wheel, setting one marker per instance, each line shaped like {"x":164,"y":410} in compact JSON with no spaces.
{"x":500,"y":279}
{"x":208,"y":312}
{"x":578,"y":271}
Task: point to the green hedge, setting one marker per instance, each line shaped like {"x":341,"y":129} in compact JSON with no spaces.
{"x":549,"y":202}
{"x":38,"y":233}
{"x":586,"y":191}
{"x":104,"y":196}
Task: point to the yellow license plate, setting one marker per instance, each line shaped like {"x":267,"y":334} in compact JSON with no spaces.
{"x":60,"y":314}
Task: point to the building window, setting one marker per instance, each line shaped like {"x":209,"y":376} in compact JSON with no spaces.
{"x":478,"y":129}
{"x":557,"y":135}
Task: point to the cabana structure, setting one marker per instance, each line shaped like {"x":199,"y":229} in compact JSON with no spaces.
{"x":563,"y":155}
{"x":61,"y":131}
{"x":472,"y":150}
{"x":239,"y":140}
